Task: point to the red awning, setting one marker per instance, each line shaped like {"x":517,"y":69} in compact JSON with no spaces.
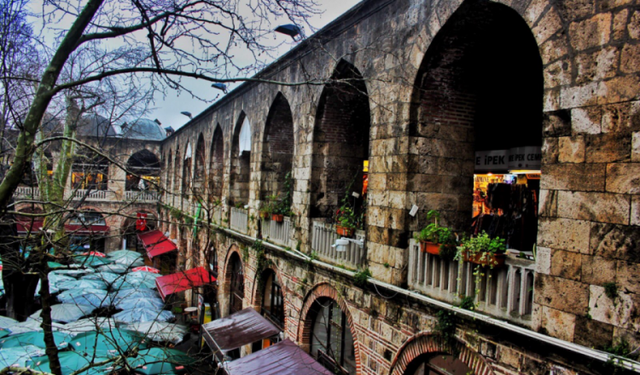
{"x":283,"y":358}
{"x":26,"y":225}
{"x":156,"y":243}
{"x":181,"y":281}
{"x":240,"y":328}
{"x":86,"y":229}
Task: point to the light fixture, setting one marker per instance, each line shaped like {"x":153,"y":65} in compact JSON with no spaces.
{"x":220,"y":86}
{"x":342,"y":244}
{"x":188,"y":114}
{"x":290,"y":29}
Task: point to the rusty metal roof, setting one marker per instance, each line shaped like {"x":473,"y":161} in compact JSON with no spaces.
{"x":238,"y":329}
{"x":283,"y":358}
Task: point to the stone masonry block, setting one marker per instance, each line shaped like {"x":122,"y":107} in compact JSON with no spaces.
{"x":616,"y":242}
{"x":635,"y":210}
{"x":567,"y":295}
{"x":577,"y":177}
{"x":598,"y":65}
{"x":558,"y":323}
{"x":574,"y":9}
{"x":592,"y":32}
{"x":571,"y":149}
{"x":633,"y":28}
{"x":630,"y":59}
{"x":557,"y":74}
{"x":597,"y":270}
{"x":543,"y":260}
{"x":623,"y":178}
{"x":565,"y":264}
{"x":601,"y":207}
{"x":548,"y":25}
{"x":592,"y":333}
{"x":628,"y":276}
{"x":635,"y":147}
{"x":620,"y":311}
{"x":564,"y":234}
{"x":619,"y":89}
{"x":550,"y":151}
{"x":586,"y":120}
{"x":581,"y":95}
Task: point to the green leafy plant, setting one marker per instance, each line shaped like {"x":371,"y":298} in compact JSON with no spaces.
{"x":434,"y":232}
{"x":611,"y":290}
{"x":360,"y":278}
{"x":467,"y":303}
{"x":346,"y":217}
{"x":482,"y":245}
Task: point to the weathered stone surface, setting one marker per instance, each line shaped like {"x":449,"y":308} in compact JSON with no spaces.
{"x":598,"y":65}
{"x":592,"y":333}
{"x":557,"y":73}
{"x":565,"y":234}
{"x":543,"y":260}
{"x":592,"y":32}
{"x":562,"y":294}
{"x":548,"y":203}
{"x":635,"y":147}
{"x":601,"y":207}
{"x":549,"y":25}
{"x":620,"y":89}
{"x":550,"y":151}
{"x":635,"y":210}
{"x":620,"y":311}
{"x":623,"y":178}
{"x":565,"y":264}
{"x":558,"y":323}
{"x":630,"y":59}
{"x":597,"y":270}
{"x":574,"y":9}
{"x":571,"y":149}
{"x":586,"y":120}
{"x":581,"y":95}
{"x":577,"y":177}
{"x":616,"y":242}
{"x":619,"y":30}
{"x":628,"y":277}
{"x":633,"y":28}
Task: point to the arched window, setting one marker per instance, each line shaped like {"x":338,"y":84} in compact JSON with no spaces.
{"x":437,"y":364}
{"x":477,"y":121}
{"x":143,"y":171}
{"x":341,"y":145}
{"x":236,"y":274}
{"x":90,"y":171}
{"x":200,"y":173}
{"x":241,"y":162}
{"x":186,"y":171}
{"x":272,"y":305}
{"x":216,"y":167}
{"x":331,"y":338}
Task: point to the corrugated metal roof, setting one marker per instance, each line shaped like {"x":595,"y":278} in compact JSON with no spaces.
{"x":238,"y":329}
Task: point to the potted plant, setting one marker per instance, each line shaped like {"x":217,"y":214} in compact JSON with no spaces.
{"x":484,"y":250}
{"x":346,"y":221}
{"x":265,"y":211}
{"x":436,"y":239}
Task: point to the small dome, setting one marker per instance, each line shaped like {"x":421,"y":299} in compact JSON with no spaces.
{"x":96,"y":126}
{"x":144,"y":129}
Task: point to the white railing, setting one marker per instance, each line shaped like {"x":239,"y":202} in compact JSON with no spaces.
{"x":505,"y":292}
{"x":142,"y":196}
{"x":93,"y":195}
{"x":277,"y":232}
{"x":239,"y":219}
{"x":324,"y":235}
{"x":27,"y":192}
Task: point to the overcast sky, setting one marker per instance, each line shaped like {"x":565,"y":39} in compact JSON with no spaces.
{"x":168,"y":108}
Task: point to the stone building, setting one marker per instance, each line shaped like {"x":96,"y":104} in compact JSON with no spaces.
{"x":107,"y":191}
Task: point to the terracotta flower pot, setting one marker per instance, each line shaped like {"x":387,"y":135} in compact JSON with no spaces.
{"x":278,"y":218}
{"x":430,"y":247}
{"x":264,"y":215}
{"x":344,"y":231}
{"x":485,"y":259}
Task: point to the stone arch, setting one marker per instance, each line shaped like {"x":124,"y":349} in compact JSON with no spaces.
{"x":143,"y":171}
{"x":343,"y":118}
{"x":233,"y":255}
{"x":241,"y":161}
{"x":258,"y":290}
{"x":216,"y":164}
{"x":468,"y":90}
{"x":426,"y":342}
{"x":200,"y":167}
{"x":187,"y":170}
{"x":324,"y":290}
{"x":278,"y":147}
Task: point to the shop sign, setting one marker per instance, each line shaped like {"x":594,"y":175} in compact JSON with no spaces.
{"x":494,"y":160}
{"x":520,"y":158}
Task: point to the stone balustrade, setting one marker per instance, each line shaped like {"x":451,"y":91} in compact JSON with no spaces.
{"x":239,"y":219}
{"x":278,"y":233}
{"x":505,"y":292}
{"x":142,"y":196}
{"x":324,"y":235}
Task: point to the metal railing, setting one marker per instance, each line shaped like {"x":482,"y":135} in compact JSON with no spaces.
{"x":275,"y":232}
{"x":324,"y":235}
{"x":93,"y":195}
{"x":239,"y":219}
{"x":142,"y":196}
{"x":505,"y":292}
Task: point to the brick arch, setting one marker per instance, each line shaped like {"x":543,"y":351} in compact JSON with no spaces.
{"x":426,"y":342}
{"x":258,"y":296}
{"x":226,"y":280}
{"x":306,"y":321}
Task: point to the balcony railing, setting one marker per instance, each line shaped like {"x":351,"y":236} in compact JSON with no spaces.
{"x":505,"y":292}
{"x":27,"y":192}
{"x":93,"y":195}
{"x":142,"y":196}
{"x":324,"y":235}
{"x":239,"y":219}
{"x":278,"y":233}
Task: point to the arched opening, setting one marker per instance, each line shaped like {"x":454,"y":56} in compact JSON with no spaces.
{"x":476,"y":122}
{"x":235,"y":275}
{"x":168,"y":162}
{"x":341,"y":145}
{"x":331,"y":338}
{"x":186,"y":171}
{"x":89,"y":171}
{"x":216,"y":167}
{"x":437,"y":364}
{"x":277,"y":154}
{"x":272,"y":299}
{"x":241,"y":162}
{"x":143,"y":171}
{"x":87,"y":230}
{"x":200,"y":173}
